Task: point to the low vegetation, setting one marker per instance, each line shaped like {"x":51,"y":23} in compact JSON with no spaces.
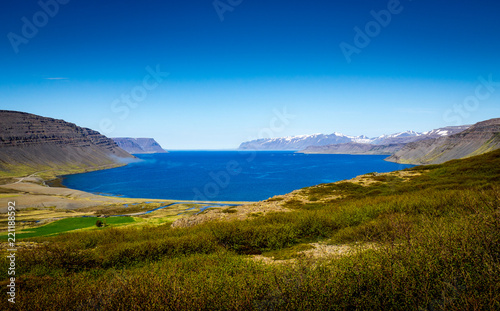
{"x":434,"y":245}
{"x":69,"y":224}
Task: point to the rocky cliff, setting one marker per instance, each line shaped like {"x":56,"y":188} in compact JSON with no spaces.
{"x":139,"y":145}
{"x":36,"y":143}
{"x":480,"y":138}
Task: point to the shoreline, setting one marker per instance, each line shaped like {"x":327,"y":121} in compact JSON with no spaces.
{"x":47,"y":191}
{"x":160,"y":195}
{"x":35,"y":199}
{"x":33,"y":192}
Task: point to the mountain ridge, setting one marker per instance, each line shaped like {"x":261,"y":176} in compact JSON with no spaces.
{"x":30,"y":142}
{"x":302,"y":142}
{"x":480,"y":138}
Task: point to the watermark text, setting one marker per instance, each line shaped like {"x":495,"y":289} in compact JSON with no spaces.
{"x":11,"y":239}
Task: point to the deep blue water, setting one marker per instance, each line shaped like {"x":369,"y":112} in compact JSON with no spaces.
{"x":226,"y":175}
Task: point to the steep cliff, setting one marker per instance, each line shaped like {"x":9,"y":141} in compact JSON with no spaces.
{"x":29,"y":143}
{"x":480,"y":138}
{"x":139,"y":145}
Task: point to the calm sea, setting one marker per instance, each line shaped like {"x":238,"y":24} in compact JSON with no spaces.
{"x":226,"y":175}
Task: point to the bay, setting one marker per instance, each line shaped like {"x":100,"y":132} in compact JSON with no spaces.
{"x":225,"y":175}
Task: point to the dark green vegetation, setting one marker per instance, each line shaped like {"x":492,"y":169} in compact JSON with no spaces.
{"x":435,"y":246}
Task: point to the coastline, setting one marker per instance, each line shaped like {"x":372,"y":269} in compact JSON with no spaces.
{"x":46,"y":198}
{"x":48,"y":191}
{"x":38,"y":204}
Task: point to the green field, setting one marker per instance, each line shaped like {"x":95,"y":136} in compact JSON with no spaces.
{"x":69,"y":224}
{"x":428,"y":242}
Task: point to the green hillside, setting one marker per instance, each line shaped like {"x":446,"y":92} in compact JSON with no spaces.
{"x":427,"y":242}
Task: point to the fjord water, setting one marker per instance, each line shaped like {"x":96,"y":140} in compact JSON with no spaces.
{"x":225,"y":175}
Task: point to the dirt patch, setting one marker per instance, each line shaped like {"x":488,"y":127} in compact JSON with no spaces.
{"x":317,"y":252}
{"x":368,"y":179}
{"x":322,"y":250}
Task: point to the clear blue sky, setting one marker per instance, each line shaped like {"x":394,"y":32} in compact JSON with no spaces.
{"x":227,"y":78}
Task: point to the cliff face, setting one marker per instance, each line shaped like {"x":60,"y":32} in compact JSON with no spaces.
{"x":139,"y":145}
{"x":480,"y":138}
{"x":39,"y":142}
{"x":354,"y":148}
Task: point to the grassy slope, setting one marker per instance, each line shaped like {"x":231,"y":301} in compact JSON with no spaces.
{"x":437,"y":240}
{"x":50,"y":172}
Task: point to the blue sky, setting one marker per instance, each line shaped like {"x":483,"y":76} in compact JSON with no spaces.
{"x":418,"y":65}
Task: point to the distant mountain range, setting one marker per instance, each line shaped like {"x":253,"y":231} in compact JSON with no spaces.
{"x":480,"y":138}
{"x":351,"y":142}
{"x":139,"y":145}
{"x":33,"y":143}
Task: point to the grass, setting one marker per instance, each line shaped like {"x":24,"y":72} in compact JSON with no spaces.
{"x":289,"y":252}
{"x":48,"y":172}
{"x":6,"y":195}
{"x":435,"y":237}
{"x":69,"y":224}
{"x":120,"y":209}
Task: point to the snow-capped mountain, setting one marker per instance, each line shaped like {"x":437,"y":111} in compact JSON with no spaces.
{"x":401,"y":137}
{"x":303,"y":141}
{"x":446,"y":131}
{"x":295,"y":142}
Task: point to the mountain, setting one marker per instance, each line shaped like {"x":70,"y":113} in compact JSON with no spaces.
{"x":303,"y":141}
{"x":31,"y":143}
{"x":480,"y":138}
{"x":139,"y":145}
{"x":411,"y":136}
{"x":295,"y":142}
{"x":354,"y":148}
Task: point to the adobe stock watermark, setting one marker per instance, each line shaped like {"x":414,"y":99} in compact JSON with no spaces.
{"x":223,"y":6}
{"x":122,"y":106}
{"x":30,"y":28}
{"x":470,"y":104}
{"x":11,"y":251}
{"x":220,"y":180}
{"x":363,"y":36}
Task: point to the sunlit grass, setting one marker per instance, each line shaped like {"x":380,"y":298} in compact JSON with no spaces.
{"x":69,"y":224}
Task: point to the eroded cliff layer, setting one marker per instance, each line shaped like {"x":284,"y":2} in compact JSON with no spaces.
{"x":35,"y":142}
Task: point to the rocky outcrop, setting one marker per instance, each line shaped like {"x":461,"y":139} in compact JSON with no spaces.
{"x":38,"y":142}
{"x":139,"y":145}
{"x":354,"y":148}
{"x":480,"y":138}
